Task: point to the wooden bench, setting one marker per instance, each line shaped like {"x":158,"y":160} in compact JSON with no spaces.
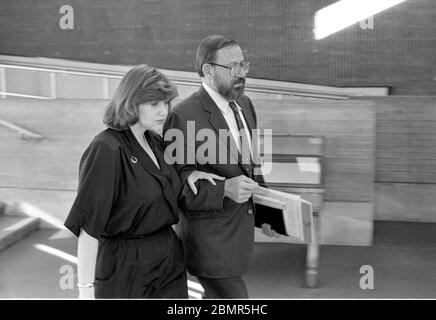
{"x":341,"y":135}
{"x":296,"y":166}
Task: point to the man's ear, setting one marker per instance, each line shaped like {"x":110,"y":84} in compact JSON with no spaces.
{"x":207,"y":70}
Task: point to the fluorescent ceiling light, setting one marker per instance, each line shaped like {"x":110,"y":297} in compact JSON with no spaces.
{"x":345,"y":13}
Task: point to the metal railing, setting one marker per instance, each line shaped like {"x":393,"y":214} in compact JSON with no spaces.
{"x":52,"y":74}
{"x":106,"y":76}
{"x":22,"y":132}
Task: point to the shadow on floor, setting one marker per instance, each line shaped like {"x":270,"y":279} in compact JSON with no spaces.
{"x":403,"y":258}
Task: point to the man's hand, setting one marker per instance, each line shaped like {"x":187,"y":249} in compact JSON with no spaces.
{"x":239,"y":188}
{"x":266,"y":229}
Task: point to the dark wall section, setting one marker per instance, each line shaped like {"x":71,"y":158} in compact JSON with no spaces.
{"x":277,"y":35}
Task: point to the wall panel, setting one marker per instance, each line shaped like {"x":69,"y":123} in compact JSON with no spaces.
{"x":349,"y":168}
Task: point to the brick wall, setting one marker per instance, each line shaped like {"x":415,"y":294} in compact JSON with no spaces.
{"x":276,"y":34}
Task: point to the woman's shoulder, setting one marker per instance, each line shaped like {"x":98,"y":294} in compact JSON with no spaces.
{"x":107,"y":143}
{"x":109,"y":137}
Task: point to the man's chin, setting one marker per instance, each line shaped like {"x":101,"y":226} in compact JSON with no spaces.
{"x":234,"y":93}
{"x":238,"y":93}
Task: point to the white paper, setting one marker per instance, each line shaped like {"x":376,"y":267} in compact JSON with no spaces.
{"x":291,"y":205}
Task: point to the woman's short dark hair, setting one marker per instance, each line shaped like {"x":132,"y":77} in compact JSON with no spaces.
{"x":141,"y":84}
{"x":208,"y":48}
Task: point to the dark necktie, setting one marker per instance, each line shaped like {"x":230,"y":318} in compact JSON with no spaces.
{"x":245,"y":154}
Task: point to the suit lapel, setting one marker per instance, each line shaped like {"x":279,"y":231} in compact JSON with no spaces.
{"x":217,"y":121}
{"x":170,"y":190}
{"x":138,"y":155}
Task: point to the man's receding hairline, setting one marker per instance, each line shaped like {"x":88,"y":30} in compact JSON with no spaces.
{"x":226,"y":47}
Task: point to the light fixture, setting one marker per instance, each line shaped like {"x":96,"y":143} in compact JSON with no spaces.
{"x":345,"y":13}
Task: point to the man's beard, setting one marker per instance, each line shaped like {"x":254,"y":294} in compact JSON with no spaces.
{"x":229,"y":91}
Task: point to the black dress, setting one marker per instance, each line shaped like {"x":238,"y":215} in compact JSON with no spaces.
{"x":129,"y":205}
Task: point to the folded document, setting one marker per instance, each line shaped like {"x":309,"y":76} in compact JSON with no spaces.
{"x":286,"y":213}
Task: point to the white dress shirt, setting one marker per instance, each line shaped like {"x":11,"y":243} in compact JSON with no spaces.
{"x":224,"y":107}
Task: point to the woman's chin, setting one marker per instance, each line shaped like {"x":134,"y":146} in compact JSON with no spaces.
{"x":158,"y":130}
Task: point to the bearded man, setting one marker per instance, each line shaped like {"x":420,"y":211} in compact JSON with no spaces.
{"x":217,"y":224}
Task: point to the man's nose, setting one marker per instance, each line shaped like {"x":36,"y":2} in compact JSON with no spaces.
{"x":242,"y":74}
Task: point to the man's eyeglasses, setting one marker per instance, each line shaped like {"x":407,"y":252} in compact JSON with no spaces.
{"x":237,"y":70}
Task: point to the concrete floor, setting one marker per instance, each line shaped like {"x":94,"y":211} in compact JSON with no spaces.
{"x":403,"y":258}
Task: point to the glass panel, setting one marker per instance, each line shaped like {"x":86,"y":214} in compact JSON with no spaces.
{"x":300,"y":170}
{"x":293,"y":144}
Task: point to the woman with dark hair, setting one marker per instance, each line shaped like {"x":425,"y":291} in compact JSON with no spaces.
{"x":126,"y":201}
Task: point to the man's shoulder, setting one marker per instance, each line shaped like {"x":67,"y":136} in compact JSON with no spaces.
{"x":188,"y":106}
{"x":245,"y":100}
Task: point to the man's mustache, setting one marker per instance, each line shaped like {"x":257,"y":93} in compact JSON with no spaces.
{"x":239,"y":81}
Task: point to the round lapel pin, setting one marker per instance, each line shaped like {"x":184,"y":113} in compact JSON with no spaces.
{"x":133,"y":159}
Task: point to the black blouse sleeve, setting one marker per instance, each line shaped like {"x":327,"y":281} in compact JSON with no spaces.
{"x":97,"y":176}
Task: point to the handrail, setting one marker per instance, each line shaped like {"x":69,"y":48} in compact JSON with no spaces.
{"x":21,"y":95}
{"x":115,"y":75}
{"x":178,"y":80}
{"x":23,"y":133}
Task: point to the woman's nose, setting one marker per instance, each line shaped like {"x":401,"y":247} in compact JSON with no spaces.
{"x":164,"y":109}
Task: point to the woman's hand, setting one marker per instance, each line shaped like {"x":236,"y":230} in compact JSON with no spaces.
{"x":198,"y":175}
